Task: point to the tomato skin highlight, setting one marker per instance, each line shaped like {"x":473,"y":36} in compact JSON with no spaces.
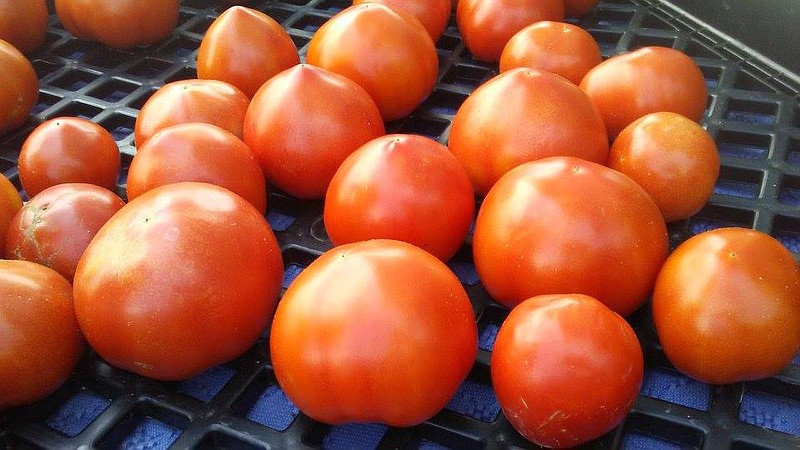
{"x":434,"y":15}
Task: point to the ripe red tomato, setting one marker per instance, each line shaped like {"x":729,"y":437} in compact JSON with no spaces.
{"x":650,"y":79}
{"x":373,"y":331}
{"x":10,"y":203}
{"x":577,"y":8}
{"x":434,"y":15}
{"x":522,"y":115}
{"x":403,"y":187}
{"x":41,"y":341}
{"x":726,"y":306}
{"x":56,"y":225}
{"x":23,"y":24}
{"x":563,"y":224}
{"x":68,"y":150}
{"x":560,"y":382}
{"x":245,"y":48}
{"x":562,"y":48}
{"x":487,"y":25}
{"x":304,"y":122}
{"x":201,"y":271}
{"x":387,"y":52}
{"x":121,"y":23}
{"x":209,"y":101}
{"x":19,"y":88}
{"x":197,"y":152}
{"x":672,"y":157}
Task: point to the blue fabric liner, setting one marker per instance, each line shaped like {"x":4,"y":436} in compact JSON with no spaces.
{"x":150,"y":434}
{"x":279,"y":221}
{"x":488,"y":336}
{"x":676,"y":388}
{"x":789,"y":196}
{"x":273,"y":409}
{"x":736,"y":150}
{"x":475,"y":400}
{"x":751,"y":117}
{"x":207,"y":385}
{"x":290,"y":273}
{"x":430,"y":445}
{"x":740,"y":189}
{"x":77,"y":413}
{"x":465,"y":272}
{"x":354,"y":436}
{"x":635,"y":441}
{"x":769,"y":411}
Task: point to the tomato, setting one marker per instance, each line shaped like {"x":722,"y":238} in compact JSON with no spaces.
{"x":197,"y":152}
{"x":245,"y":48}
{"x":403,"y":187}
{"x":19,"y":88}
{"x":522,"y":115}
{"x":68,"y":150}
{"x":10,"y":203}
{"x":487,"y":25}
{"x":560,"y":382}
{"x":56,"y":225}
{"x":566,"y":225}
{"x":388,"y":52}
{"x":181,"y":279}
{"x":434,"y":15}
{"x":562,"y":48}
{"x":41,"y":342}
{"x":373,"y":331}
{"x":304,"y":122}
{"x":578,"y":8}
{"x":208,"y":101}
{"x":23,"y":24}
{"x":726,"y":306}
{"x":650,"y":79}
{"x":121,"y":23}
{"x":673,"y":158}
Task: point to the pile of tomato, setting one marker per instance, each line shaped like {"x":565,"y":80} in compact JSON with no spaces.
{"x":568,"y":166}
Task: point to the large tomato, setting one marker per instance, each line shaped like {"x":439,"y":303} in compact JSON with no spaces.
{"x":10,"y":203}
{"x":434,"y":15}
{"x":373,"y":331}
{"x":566,"y":369}
{"x":56,"y":225}
{"x":41,"y":342}
{"x":727,"y":306}
{"x":404,"y":187}
{"x":19,"y":88}
{"x":522,"y":115}
{"x":304,"y":122}
{"x":487,"y":25}
{"x":566,"y":225}
{"x":650,"y":79}
{"x":181,"y":279}
{"x":68,"y":150}
{"x":23,"y":24}
{"x":245,"y":47}
{"x":119,"y":23}
{"x":388,"y":52}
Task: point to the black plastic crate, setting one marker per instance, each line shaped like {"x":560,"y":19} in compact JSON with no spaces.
{"x":753,"y":113}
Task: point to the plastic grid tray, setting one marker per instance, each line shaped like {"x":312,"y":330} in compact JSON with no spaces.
{"x":753,"y":113}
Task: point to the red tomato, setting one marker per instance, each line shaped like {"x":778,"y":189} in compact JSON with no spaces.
{"x":563,"y":224}
{"x":202,"y":271}
{"x":520,"y":116}
{"x":650,"y":79}
{"x":245,"y":47}
{"x":23,"y":24}
{"x":577,"y":8}
{"x":562,"y":48}
{"x":403,"y":187}
{"x":197,"y":152}
{"x":10,"y":203}
{"x":387,"y":52}
{"x":209,"y":101}
{"x":119,"y":23}
{"x":304,"y":122}
{"x":68,"y":150}
{"x":726,"y":306}
{"x":19,"y":88}
{"x":487,"y":25}
{"x":672,"y":157}
{"x":373,"y":331}
{"x":434,"y":15}
{"x":56,"y":225}
{"x":41,"y":341}
{"x":560,"y":382}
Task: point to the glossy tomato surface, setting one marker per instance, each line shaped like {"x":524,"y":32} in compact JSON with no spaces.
{"x":523,"y":115}
{"x":10,"y":203}
{"x":404,"y":187}
{"x":23,"y":24}
{"x":41,"y":341}
{"x":434,"y":15}
{"x":566,"y":369}
{"x":727,"y":306}
{"x":387,"y":52}
{"x":201,"y":271}
{"x":19,"y":88}
{"x":375,"y":331}
{"x":563,"y":224}
{"x":304,"y":122}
